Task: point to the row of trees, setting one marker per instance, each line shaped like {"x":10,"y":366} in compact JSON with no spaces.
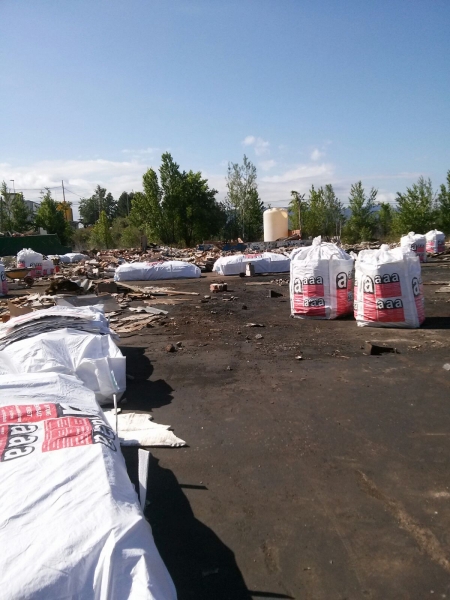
{"x":176,"y":208}
{"x":179,"y":208}
{"x":419,"y":209}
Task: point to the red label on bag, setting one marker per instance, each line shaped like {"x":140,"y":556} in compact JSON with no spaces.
{"x":309,"y":296}
{"x":344,"y":293}
{"x":418,"y":298}
{"x":28,"y":413}
{"x":66,"y":432}
{"x":387,"y":286}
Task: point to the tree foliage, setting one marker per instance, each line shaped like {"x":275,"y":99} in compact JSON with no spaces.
{"x":124,"y":204}
{"x":90,"y":208}
{"x":51,"y":219}
{"x":416,"y":209}
{"x":362,"y":223}
{"x":443,"y":206}
{"x":179,"y":207}
{"x":321,"y":213}
{"x":242,"y":204}
{"x":384,"y":220}
{"x":21,"y":217}
{"x":101,"y":234}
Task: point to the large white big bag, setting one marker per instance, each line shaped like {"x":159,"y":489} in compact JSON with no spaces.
{"x":417,"y":243}
{"x":146,"y":271}
{"x":321,"y":284}
{"x":388,"y":288}
{"x":28,"y":258}
{"x":435,"y":241}
{"x":266,"y":262}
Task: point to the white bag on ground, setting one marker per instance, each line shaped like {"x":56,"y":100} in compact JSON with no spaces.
{"x":388,"y":288}
{"x":94,"y":358}
{"x":71,"y":525}
{"x":72,"y":257}
{"x":3,"y":281}
{"x":321,"y":284}
{"x":28,"y":258}
{"x":266,"y":262}
{"x":435,"y":241}
{"x":146,"y":271}
{"x":417,"y":243}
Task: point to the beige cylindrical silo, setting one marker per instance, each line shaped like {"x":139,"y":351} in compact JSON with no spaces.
{"x":275,"y":224}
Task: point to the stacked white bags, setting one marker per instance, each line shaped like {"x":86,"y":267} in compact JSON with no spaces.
{"x":3,"y":281}
{"x":146,"y":271}
{"x":435,"y":241}
{"x":417,"y":243}
{"x":321,"y":283}
{"x":28,"y":258}
{"x":388,"y":288}
{"x":73,"y":257}
{"x":266,"y":262}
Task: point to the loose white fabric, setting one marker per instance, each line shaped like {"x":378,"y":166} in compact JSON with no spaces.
{"x":137,"y":429}
{"x":146,"y":271}
{"x":388,"y":288}
{"x":321,"y":283}
{"x":70,"y":526}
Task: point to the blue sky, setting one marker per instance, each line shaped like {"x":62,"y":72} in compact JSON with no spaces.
{"x":316,"y":91}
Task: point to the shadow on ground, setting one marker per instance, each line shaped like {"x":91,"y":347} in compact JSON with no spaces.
{"x":143,"y":394}
{"x":201,"y":565}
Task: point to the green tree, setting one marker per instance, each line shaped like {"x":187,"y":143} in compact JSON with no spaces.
{"x":90,"y":208}
{"x":21,"y":217}
{"x":443,"y":202}
{"x":51,"y":219}
{"x":179,"y":207}
{"x":384,"y":218}
{"x":362,"y":222}
{"x":6,"y":200}
{"x":416,"y":210}
{"x":101,"y":234}
{"x":297,"y":211}
{"x":124,"y":204}
{"x":242,"y":203}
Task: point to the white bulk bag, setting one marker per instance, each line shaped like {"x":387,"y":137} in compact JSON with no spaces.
{"x":435,"y":241}
{"x":388,"y":288}
{"x":48,"y":268}
{"x":72,"y":257}
{"x":146,"y":271}
{"x":417,"y":243}
{"x":71,"y":525}
{"x":28,"y":258}
{"x":95,"y":359}
{"x":266,"y":262}
{"x":3,"y":281}
{"x":321,"y":284}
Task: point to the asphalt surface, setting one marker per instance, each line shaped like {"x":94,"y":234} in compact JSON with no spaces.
{"x":320,"y":478}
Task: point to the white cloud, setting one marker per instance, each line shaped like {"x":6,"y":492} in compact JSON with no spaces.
{"x":259,"y":145}
{"x":266,"y":165}
{"x":302,"y":171}
{"x":316,"y":154}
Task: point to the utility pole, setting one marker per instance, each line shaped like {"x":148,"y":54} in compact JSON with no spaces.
{"x":300,"y":200}
{"x":64,"y":195}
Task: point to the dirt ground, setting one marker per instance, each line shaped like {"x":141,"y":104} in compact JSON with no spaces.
{"x":321,"y":478}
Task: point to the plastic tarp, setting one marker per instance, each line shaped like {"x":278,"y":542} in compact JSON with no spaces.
{"x":388,"y":288}
{"x":435,"y":241}
{"x":70,"y":525}
{"x":417,"y":243}
{"x":94,"y":359}
{"x":266,"y":262}
{"x":154,"y":271}
{"x":321,"y":283}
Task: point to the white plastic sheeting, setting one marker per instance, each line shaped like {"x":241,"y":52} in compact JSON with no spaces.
{"x":266,"y":262}
{"x":154,"y":271}
{"x":388,"y":288}
{"x":321,"y":283}
{"x":139,"y":429}
{"x":435,"y":241}
{"x":72,"y":257}
{"x":417,"y":243}
{"x":94,"y":359}
{"x":70,"y":525}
